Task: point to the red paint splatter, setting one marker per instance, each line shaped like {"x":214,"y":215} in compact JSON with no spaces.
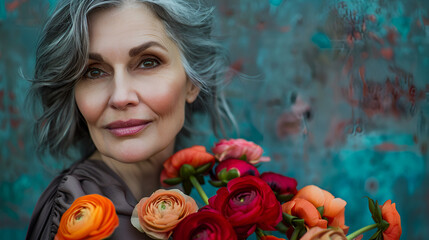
{"x":336,"y":132}
{"x":412,"y":94}
{"x":392,"y":36}
{"x":13,"y":110}
{"x":12,"y":96}
{"x":348,"y":66}
{"x":372,"y":18}
{"x":12,"y":6}
{"x":1,"y":100}
{"x":387,"y":53}
{"x":426,"y":21}
{"x":235,"y":67}
{"x":14,"y":123}
{"x":362,"y":77}
{"x":284,"y":29}
{"x":21,"y":144}
{"x":261,"y":26}
{"x":387,"y":147}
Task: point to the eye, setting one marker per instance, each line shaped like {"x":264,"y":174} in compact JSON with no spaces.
{"x":148,"y":63}
{"x":94,"y":73}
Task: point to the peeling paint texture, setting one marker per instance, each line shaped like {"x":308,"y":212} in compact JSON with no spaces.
{"x":337,"y":94}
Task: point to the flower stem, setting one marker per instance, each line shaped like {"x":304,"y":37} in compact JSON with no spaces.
{"x":295,"y":234}
{"x":200,"y":190}
{"x":362,"y":230}
{"x":259,"y":233}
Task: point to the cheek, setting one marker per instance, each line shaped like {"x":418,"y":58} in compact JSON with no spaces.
{"x":89,"y":102}
{"x":166,"y":98}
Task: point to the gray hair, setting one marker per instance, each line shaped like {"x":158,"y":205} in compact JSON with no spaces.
{"x":63,"y":51}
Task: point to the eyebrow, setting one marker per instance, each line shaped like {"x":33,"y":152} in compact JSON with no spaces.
{"x":96,"y":57}
{"x":135,"y":51}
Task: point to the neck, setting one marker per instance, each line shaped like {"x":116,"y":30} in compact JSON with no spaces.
{"x":143,"y":177}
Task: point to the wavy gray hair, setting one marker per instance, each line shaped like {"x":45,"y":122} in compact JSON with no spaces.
{"x":62,"y":54}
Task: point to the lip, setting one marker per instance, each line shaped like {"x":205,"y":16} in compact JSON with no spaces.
{"x":127,"y":128}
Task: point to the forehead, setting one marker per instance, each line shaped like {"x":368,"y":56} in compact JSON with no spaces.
{"x":125,"y":26}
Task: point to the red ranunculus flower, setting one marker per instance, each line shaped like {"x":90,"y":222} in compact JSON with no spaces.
{"x":195,"y":156}
{"x":243,"y":168}
{"x":236,"y":148}
{"x":270,"y":237}
{"x":280,"y":184}
{"x":248,"y":202}
{"x":391,"y":215}
{"x":205,"y":225}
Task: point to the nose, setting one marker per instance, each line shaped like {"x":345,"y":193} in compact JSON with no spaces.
{"x":123,"y":94}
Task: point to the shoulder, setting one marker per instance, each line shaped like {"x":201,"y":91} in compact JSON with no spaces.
{"x":82,"y":178}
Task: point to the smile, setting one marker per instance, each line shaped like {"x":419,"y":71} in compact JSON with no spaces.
{"x":127,"y":128}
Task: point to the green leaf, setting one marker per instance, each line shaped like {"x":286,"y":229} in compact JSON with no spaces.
{"x":243,"y":157}
{"x":173,"y":181}
{"x":321,"y":210}
{"x":203,"y":168}
{"x":186,"y":170}
{"x":375,"y":210}
{"x":376,"y":235}
{"x":287,"y":218}
{"x":281,"y":227}
{"x":187,"y":187}
{"x":217,"y":184}
{"x":284,"y":197}
{"x":298,"y":222}
{"x":383,"y":225}
{"x":200,"y":179}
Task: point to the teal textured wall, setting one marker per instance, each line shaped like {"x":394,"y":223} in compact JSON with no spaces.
{"x":338,"y":97}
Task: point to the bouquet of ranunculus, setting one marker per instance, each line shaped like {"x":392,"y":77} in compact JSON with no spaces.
{"x":247,"y":202}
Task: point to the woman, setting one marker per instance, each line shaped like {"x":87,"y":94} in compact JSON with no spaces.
{"x":119,"y":81}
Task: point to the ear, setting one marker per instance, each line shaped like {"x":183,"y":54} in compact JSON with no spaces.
{"x":192,"y":92}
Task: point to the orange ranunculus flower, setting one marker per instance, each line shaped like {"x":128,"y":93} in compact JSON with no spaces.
{"x":333,"y":207}
{"x":89,"y":217}
{"x":391,"y":215}
{"x":317,"y":233}
{"x":159,"y":214}
{"x":195,"y":156}
{"x":302,"y":208}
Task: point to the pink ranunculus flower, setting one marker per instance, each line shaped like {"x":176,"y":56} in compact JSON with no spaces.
{"x":236,"y":148}
{"x":243,"y":168}
{"x":282,"y":185}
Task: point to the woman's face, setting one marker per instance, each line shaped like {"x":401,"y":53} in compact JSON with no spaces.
{"x":134,"y":91}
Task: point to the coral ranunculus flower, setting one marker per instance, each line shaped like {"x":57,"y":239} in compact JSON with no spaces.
{"x":160,"y":213}
{"x":317,"y":233}
{"x":248,"y":202}
{"x":333,"y":207}
{"x":89,"y":217}
{"x":205,"y":225}
{"x":391,"y":215}
{"x":195,"y":156}
{"x":236,"y":148}
{"x":303,"y":209}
